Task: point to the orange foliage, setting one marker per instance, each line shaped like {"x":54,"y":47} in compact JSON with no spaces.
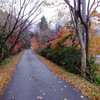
{"x":94,"y":43}
{"x":54,"y":42}
{"x":35,"y":42}
{"x":95,"y":13}
{"x":94,"y":36}
{"x":63,"y":32}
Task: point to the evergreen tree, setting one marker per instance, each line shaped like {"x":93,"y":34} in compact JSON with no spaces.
{"x":43,"y":24}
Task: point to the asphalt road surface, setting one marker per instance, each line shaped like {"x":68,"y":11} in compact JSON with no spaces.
{"x":34,"y":81}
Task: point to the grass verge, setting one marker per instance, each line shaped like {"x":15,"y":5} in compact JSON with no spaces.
{"x":88,"y":89}
{"x":7,"y":69}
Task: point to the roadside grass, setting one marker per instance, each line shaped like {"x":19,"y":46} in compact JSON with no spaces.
{"x":99,"y":68}
{"x":90,"y":90}
{"x":7,"y":60}
{"x":97,"y":78}
{"x":7,"y":69}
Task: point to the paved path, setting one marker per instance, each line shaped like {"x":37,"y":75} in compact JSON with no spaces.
{"x":34,"y":81}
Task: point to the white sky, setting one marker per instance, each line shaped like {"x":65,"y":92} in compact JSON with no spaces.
{"x":51,"y":13}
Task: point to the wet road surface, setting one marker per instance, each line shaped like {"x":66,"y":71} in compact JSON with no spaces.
{"x":34,"y":81}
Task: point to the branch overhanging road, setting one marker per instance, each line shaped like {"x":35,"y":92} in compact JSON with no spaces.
{"x":33,"y":80}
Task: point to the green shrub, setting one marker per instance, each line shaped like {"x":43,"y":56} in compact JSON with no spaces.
{"x":44,"y":51}
{"x":92,"y":69}
{"x":96,"y":79}
{"x":56,"y":55}
{"x":68,"y":57}
{"x":71,"y":61}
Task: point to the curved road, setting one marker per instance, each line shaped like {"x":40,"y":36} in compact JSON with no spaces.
{"x":34,"y":81}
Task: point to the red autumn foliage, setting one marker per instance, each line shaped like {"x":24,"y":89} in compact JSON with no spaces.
{"x":63,"y":32}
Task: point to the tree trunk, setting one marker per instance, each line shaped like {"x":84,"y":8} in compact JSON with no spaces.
{"x":5,"y":55}
{"x":87,"y":41}
{"x":83,"y":52}
{"x":84,"y":18}
{"x":83,"y":61}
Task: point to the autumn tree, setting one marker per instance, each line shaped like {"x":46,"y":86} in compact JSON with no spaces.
{"x":18,"y":19}
{"x":77,"y":18}
{"x":94,"y":34}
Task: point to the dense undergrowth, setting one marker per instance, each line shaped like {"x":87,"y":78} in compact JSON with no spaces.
{"x":70,"y":59}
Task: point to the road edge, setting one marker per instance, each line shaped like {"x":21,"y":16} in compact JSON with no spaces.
{"x":9,"y":74}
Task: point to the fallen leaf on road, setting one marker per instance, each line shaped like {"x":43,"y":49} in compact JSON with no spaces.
{"x":46,"y":84}
{"x":9,"y":91}
{"x":43,"y":93}
{"x":39,"y":97}
{"x":64,"y":99}
{"x":12,"y":98}
{"x":81,"y":96}
{"x":65,"y":86}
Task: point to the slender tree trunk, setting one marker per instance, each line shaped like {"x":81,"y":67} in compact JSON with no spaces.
{"x":77,"y":27}
{"x":87,"y":41}
{"x":83,"y":61}
{"x":83,"y":52}
{"x":84,"y":18}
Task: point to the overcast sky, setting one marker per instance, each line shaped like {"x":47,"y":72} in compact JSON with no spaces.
{"x":51,"y":12}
